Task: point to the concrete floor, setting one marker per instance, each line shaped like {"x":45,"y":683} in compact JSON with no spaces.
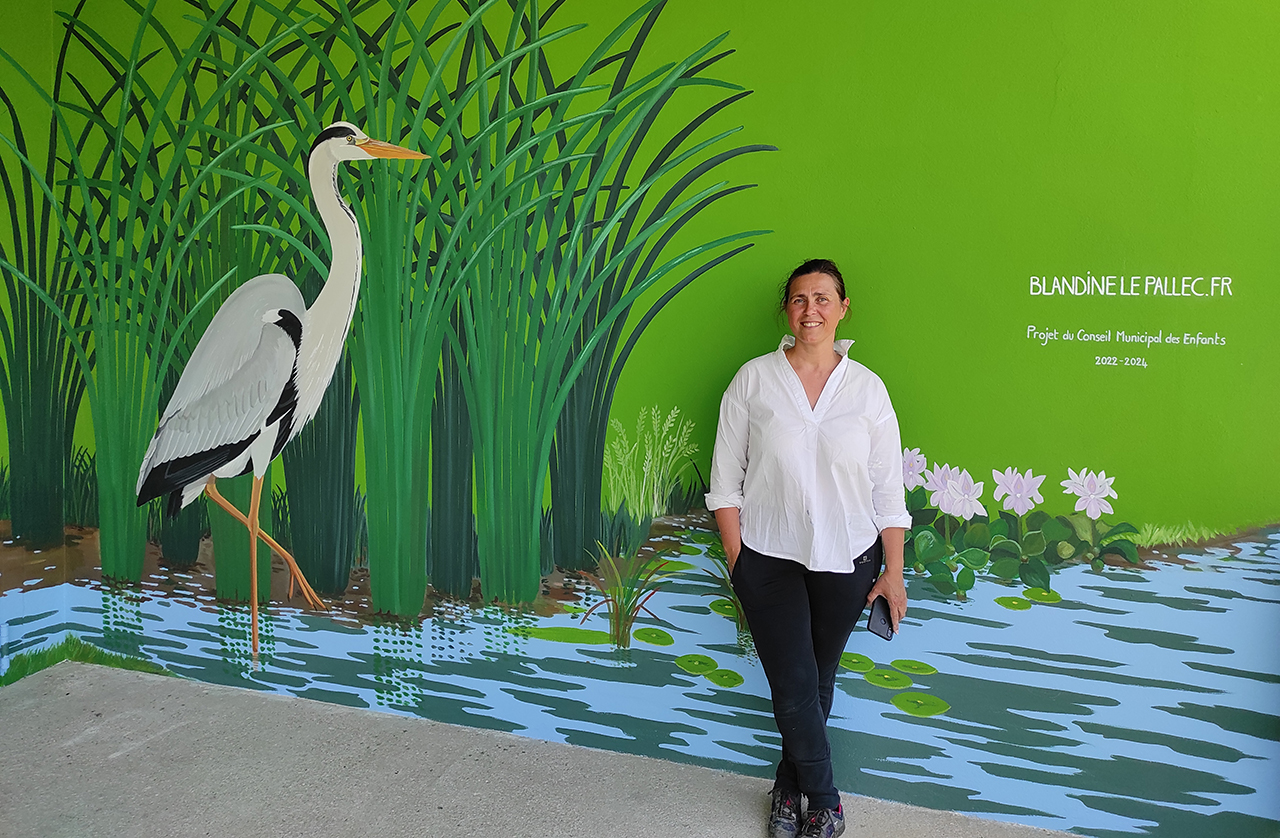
{"x":104,"y":752}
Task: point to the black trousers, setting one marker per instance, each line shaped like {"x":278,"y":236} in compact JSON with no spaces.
{"x":800,"y":620}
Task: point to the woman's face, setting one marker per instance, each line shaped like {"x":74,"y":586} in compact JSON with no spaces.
{"x":814,"y":308}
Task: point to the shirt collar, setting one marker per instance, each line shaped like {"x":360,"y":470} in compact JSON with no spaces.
{"x":842,"y":346}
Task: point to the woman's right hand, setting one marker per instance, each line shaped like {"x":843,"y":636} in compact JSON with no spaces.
{"x":732,"y":556}
{"x":728,"y":520}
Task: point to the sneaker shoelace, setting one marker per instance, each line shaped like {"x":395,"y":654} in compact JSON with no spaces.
{"x":818,"y":821}
{"x":786,"y":807}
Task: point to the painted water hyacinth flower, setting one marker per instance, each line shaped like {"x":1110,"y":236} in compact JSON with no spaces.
{"x":1021,"y":492}
{"x":962,"y":496}
{"x":1092,"y":491}
{"x":936,"y":483}
{"x":913,"y":466}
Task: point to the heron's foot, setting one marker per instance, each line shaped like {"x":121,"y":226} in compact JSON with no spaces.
{"x":295,"y":574}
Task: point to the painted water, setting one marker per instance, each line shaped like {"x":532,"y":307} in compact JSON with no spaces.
{"x":1144,"y":702}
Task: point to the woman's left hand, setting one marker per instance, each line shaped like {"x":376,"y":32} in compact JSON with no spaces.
{"x":891,"y":587}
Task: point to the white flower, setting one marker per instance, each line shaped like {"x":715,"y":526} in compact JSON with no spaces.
{"x":1074,"y":484}
{"x":946,"y":502}
{"x":913,"y":465}
{"x":936,"y":482}
{"x":1093,"y":491}
{"x":963,"y":497}
{"x":1021,"y":492}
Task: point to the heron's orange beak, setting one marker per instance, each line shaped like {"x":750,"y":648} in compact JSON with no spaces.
{"x":378,"y":148}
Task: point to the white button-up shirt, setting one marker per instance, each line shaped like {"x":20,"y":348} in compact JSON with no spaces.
{"x":815,"y":485}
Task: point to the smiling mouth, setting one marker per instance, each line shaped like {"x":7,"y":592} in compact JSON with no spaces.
{"x":810,"y":324}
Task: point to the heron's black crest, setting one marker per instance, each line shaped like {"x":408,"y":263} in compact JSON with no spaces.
{"x":330,"y":133}
{"x":292,"y":326}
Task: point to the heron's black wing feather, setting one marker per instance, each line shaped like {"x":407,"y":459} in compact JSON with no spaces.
{"x":175,"y":474}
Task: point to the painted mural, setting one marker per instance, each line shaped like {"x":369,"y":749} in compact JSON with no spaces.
{"x":415,"y":404}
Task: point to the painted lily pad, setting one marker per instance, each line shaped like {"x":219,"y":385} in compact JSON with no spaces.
{"x":1041,"y":595}
{"x":920,"y":704}
{"x":856,"y":662}
{"x":569,"y":608}
{"x":703,"y":537}
{"x":914,"y":667}
{"x":725,"y":678}
{"x":690,"y":550}
{"x":565,"y":634}
{"x":696,"y":664}
{"x":1013,"y":603}
{"x":671,"y":566}
{"x":656,"y":636}
{"x":887,"y":678}
{"x":724,"y":608}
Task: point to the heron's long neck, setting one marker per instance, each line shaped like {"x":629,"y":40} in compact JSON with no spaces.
{"x":329,"y":317}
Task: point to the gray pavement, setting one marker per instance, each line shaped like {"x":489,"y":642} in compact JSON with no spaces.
{"x":94,"y":751}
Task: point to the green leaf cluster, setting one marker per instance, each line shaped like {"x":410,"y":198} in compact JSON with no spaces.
{"x":951,"y":551}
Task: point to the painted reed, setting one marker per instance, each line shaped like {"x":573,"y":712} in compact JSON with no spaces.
{"x":41,"y":383}
{"x":540,"y":287}
{"x":581,"y":430}
{"x":644,"y":474}
{"x":139,"y":201}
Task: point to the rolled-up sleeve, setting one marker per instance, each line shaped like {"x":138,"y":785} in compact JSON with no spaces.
{"x":729,"y":457}
{"x":885,"y":468}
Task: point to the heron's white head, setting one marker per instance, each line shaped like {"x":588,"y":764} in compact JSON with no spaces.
{"x":344,"y":141}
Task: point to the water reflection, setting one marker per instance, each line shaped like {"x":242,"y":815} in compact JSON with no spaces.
{"x":1142,"y":703}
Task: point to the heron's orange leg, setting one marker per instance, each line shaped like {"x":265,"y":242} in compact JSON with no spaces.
{"x":255,"y":498}
{"x":295,"y":572}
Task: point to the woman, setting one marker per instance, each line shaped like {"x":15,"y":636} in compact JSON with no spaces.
{"x":806,"y":486}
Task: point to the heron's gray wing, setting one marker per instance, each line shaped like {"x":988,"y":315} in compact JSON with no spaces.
{"x":203,"y":434}
{"x":233,"y":337}
{"x":226,"y":393}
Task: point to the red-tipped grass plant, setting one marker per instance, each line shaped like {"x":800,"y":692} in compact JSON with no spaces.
{"x":627,"y":583}
{"x":721,"y":574}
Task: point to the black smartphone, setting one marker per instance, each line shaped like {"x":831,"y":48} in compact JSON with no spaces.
{"x":878,"y":622}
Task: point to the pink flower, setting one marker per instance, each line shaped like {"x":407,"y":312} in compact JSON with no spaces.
{"x":963,"y":497}
{"x":1092,"y":490}
{"x":936,"y":482}
{"x":1021,"y":492}
{"x":913,"y":465}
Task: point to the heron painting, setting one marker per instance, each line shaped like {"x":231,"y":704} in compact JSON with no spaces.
{"x":260,"y":370}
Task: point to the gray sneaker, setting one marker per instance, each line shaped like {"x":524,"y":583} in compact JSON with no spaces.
{"x":784,"y":814}
{"x":823,"y":823}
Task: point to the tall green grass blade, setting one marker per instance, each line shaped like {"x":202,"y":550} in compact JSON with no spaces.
{"x":41,"y":383}
{"x":320,"y":472}
{"x":454,"y":563}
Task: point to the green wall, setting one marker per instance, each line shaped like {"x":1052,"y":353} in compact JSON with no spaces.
{"x":945,"y":153}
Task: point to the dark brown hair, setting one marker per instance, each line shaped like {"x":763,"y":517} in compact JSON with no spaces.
{"x":813,"y":266}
